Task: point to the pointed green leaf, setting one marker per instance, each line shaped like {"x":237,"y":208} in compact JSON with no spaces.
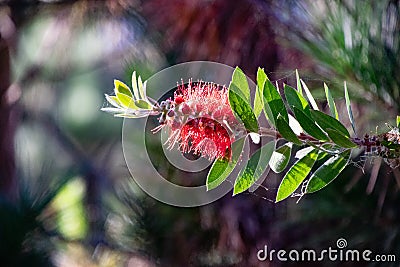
{"x":121,"y":88}
{"x":258,"y":102}
{"x":339,"y":139}
{"x":294,"y":99}
{"x":349,"y":111}
{"x":296,"y":175}
{"x":135,"y":85}
{"x":243,"y":111}
{"x":309,"y":125}
{"x":280,"y":158}
{"x":331,"y":102}
{"x":143,"y":104}
{"x":326,"y":121}
{"x":221,"y":168}
{"x":299,"y":89}
{"x":328,"y":172}
{"x":126,"y":101}
{"x":255,"y":167}
{"x":239,"y":85}
{"x":398,"y":121}
{"x":284,"y":129}
{"x":309,"y":96}
{"x":273,"y":103}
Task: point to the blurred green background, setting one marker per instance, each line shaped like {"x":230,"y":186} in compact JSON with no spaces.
{"x":66,"y":196}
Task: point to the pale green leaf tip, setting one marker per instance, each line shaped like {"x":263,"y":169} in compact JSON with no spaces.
{"x":398,"y":121}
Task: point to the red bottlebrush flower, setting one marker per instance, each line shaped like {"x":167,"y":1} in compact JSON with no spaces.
{"x":203,"y":121}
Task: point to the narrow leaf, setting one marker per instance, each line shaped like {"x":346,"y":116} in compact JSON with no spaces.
{"x":255,"y":167}
{"x":309,"y":96}
{"x":299,"y":89}
{"x":135,"y":85}
{"x":349,"y":110}
{"x":258,"y":101}
{"x":221,"y":168}
{"x":239,"y":85}
{"x":243,"y":111}
{"x":273,"y":103}
{"x":284,"y":129}
{"x":326,"y":121}
{"x":309,"y":125}
{"x":339,"y":139}
{"x":296,"y":175}
{"x":121,"y":88}
{"x":398,"y":121}
{"x":295,"y":99}
{"x":143,"y":104}
{"x":328,"y":172}
{"x":331,"y":102}
{"x":280,"y":158}
{"x":126,"y":101}
{"x":295,"y":125}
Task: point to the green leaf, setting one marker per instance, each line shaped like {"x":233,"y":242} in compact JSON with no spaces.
{"x":331,"y":102}
{"x":273,"y":103}
{"x":296,"y":175}
{"x":255,"y":167}
{"x":309,"y":96}
{"x":328,"y":171}
{"x":295,"y":99}
{"x":239,"y":85}
{"x":221,"y":168}
{"x":398,"y":121}
{"x":126,"y":101}
{"x":280,"y":158}
{"x":348,"y":105}
{"x":339,"y":139}
{"x":121,"y":88}
{"x":243,"y":111}
{"x":143,"y":104}
{"x":309,"y":125}
{"x":326,"y":121}
{"x":299,"y":89}
{"x":284,"y":129}
{"x":258,"y":102}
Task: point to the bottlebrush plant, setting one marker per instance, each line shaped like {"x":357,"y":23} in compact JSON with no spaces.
{"x":213,"y":121}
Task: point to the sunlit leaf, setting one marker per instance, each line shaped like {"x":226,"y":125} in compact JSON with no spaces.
{"x":328,"y":172}
{"x":143,"y":104}
{"x":339,"y":139}
{"x":239,"y":85}
{"x":295,"y":125}
{"x":309,"y":96}
{"x":135,"y":85}
{"x":273,"y":103}
{"x":299,"y":89}
{"x":221,"y":168}
{"x":326,"y":121}
{"x":113,"y":100}
{"x":296,"y":175}
{"x":243,"y":111}
{"x":349,"y":110}
{"x":284,"y":129}
{"x":295,"y":99}
{"x":121,"y":88}
{"x":258,"y":101}
{"x":126,"y":101}
{"x":280,"y":158}
{"x":309,"y":125}
{"x":398,"y":121}
{"x":331,"y":102}
{"x":255,"y":167}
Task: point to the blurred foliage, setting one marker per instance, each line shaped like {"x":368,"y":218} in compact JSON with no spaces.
{"x":65,"y":55}
{"x":357,"y":41}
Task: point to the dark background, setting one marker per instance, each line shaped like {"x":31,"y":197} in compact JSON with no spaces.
{"x":66,"y":196}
